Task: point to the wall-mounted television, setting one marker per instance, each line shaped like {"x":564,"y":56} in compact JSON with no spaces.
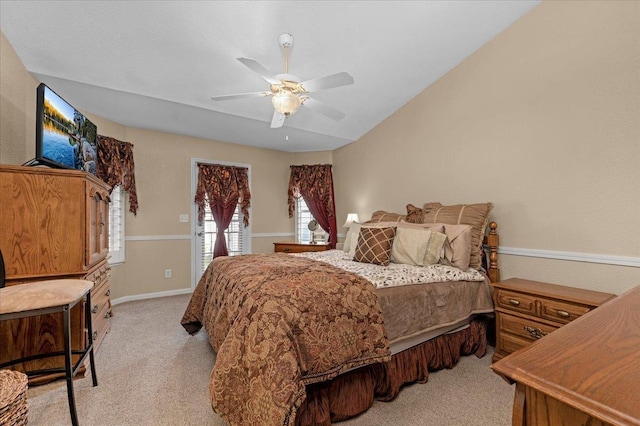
{"x":65,"y":138}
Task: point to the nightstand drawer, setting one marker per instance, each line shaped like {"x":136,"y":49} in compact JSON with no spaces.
{"x":516,"y":302}
{"x":510,"y":343}
{"x":522,"y":327}
{"x":561,"y":312}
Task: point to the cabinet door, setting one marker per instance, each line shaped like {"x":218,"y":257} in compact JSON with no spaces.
{"x":41,"y":220}
{"x":97,"y":227}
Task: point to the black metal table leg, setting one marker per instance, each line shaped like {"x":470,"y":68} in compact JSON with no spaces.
{"x":66,"y":313}
{"x":92,"y":360}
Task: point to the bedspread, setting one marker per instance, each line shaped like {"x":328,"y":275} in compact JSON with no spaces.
{"x":278,"y":323}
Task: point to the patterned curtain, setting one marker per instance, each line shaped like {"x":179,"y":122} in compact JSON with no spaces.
{"x":115,"y":166}
{"x":314,"y":183}
{"x":224,"y":187}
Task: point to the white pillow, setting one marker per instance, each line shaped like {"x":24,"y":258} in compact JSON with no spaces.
{"x":410,"y":246}
{"x":419,"y":247}
{"x":351,"y":240}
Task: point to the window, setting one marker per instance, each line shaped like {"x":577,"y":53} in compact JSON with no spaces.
{"x":233,"y":235}
{"x":303,"y":217}
{"x":116,"y":226}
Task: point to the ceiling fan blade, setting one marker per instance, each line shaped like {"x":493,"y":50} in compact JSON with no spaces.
{"x":260,"y":70}
{"x":241,"y":96}
{"x":322,"y":108}
{"x":277,"y":120}
{"x":328,"y":82}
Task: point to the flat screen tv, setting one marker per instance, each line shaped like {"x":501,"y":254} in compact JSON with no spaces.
{"x":65,"y":138}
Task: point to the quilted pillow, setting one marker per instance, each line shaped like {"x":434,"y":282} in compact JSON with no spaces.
{"x":476,"y":215}
{"x":417,"y":246}
{"x":374,"y":245}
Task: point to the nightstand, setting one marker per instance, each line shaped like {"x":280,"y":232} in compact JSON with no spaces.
{"x":292,"y":247}
{"x":528,"y":310}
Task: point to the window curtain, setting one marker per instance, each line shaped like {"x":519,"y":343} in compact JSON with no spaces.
{"x":223,"y":187}
{"x":314,"y":183}
{"x":115,"y":166}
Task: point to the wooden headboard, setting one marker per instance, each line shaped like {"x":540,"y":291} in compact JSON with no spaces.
{"x":491,"y":242}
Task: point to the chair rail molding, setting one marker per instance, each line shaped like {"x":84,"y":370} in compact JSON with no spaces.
{"x":572,"y":256}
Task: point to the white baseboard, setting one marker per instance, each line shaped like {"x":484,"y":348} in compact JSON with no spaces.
{"x":151,"y":295}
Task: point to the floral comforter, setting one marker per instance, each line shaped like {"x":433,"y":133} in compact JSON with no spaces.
{"x":279,"y":322}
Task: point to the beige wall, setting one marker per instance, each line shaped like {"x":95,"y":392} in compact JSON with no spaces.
{"x":17,"y":107}
{"x":544,"y":121}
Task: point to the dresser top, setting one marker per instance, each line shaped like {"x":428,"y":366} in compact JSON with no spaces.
{"x":592,"y":363}
{"x":556,"y":291}
{"x":46,"y":170}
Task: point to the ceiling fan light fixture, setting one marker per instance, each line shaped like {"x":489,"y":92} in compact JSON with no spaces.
{"x":286,"y":103}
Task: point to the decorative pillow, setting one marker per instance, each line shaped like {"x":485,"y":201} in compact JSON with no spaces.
{"x":414,"y":214}
{"x":374,"y":245}
{"x":383,"y":216}
{"x":417,"y":246}
{"x":476,"y":215}
{"x":457,"y":249}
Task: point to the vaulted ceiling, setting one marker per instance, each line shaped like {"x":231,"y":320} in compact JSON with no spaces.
{"x":156,"y":64}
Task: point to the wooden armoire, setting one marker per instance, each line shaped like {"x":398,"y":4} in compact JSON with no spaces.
{"x":54,"y":223}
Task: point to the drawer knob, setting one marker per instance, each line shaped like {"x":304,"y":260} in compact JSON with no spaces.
{"x":536,"y":333}
{"x":107,"y":315}
{"x":286,"y":249}
{"x":95,"y":335}
{"x":563,"y":314}
{"x":95,"y":309}
{"x":514,"y":302}
{"x":107,"y":293}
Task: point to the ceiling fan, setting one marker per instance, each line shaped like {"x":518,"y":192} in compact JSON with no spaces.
{"x":288,"y":93}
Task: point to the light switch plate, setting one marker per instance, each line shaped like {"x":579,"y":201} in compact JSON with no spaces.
{"x":184,"y":218}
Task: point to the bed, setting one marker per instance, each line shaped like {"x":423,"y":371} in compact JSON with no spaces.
{"x":314,"y":338}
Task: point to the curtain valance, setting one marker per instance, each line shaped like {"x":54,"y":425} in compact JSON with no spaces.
{"x":115,"y":166}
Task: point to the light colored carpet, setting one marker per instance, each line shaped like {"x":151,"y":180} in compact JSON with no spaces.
{"x":151,"y":372}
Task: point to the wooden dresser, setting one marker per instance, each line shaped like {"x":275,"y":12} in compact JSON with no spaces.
{"x":53,"y":224}
{"x":528,"y":310}
{"x":293,"y":247}
{"x":586,"y":373}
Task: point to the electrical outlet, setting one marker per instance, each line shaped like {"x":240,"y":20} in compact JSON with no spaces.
{"x":184,"y":218}
{"x":167,"y":273}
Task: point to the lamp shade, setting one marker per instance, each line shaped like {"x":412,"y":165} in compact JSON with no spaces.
{"x":351,"y":217}
{"x":286,"y":103}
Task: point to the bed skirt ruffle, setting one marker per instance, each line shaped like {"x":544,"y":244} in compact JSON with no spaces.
{"x":353,"y":392}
